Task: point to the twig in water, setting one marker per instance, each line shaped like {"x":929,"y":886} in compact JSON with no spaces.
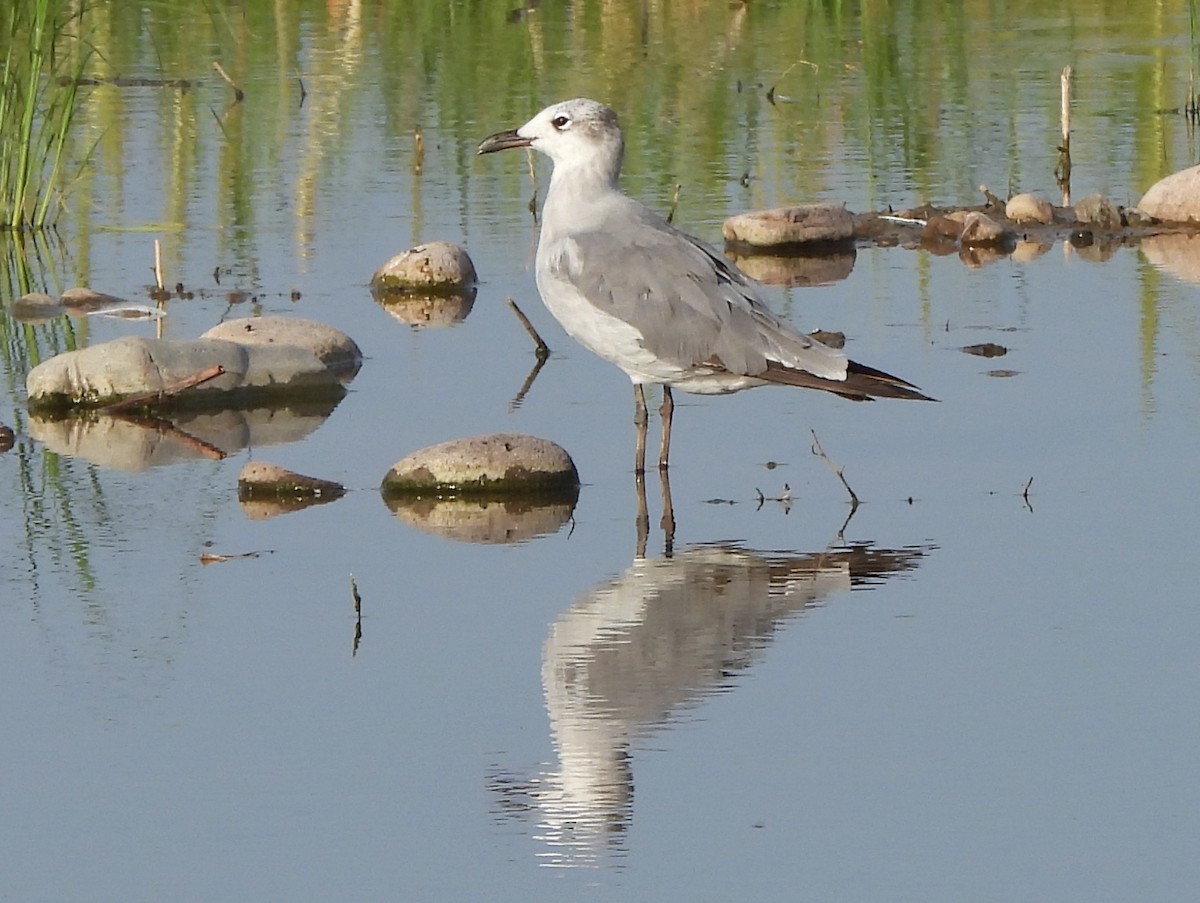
{"x":817,"y":450}
{"x":303,"y":91}
{"x":238,"y":93}
{"x":419,"y":152}
{"x":1025,"y":494}
{"x":215,"y":558}
{"x":543,"y":350}
{"x":674,"y":202}
{"x":147,"y":398}
{"x":357,"y":616}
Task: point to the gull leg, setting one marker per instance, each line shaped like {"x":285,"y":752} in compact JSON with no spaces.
{"x":643,"y":515}
{"x":668,"y":514}
{"x":665,"y":412}
{"x":640,"y":418}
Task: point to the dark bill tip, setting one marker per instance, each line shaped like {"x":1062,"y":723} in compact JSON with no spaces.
{"x":502,"y":141}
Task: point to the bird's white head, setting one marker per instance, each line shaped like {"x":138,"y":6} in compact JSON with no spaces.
{"x":577,"y":134}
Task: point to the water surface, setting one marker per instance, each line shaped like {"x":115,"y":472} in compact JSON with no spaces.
{"x":980,"y":687}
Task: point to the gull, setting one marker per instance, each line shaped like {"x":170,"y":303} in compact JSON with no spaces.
{"x":661,"y":305}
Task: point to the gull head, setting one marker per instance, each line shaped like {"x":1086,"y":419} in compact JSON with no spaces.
{"x":576,"y":134}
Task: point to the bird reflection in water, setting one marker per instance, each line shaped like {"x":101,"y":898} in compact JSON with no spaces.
{"x":632,"y":655}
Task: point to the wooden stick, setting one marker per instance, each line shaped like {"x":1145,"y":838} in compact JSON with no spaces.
{"x":238,"y":93}
{"x":158,"y":277}
{"x":674,"y":202}
{"x":817,"y":450}
{"x":1062,"y":172}
{"x":147,"y":398}
{"x":543,"y":350}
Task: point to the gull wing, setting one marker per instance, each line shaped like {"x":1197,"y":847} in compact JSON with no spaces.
{"x":689,"y":305}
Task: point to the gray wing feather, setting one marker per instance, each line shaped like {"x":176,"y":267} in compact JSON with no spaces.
{"x":689,"y":305}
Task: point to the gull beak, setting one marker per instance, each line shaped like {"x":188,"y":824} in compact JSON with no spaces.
{"x":503,"y":141}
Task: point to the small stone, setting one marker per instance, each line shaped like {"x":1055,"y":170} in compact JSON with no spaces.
{"x":436,"y":266}
{"x":1098,"y":210}
{"x":980,"y":230}
{"x":985,"y":349}
{"x":495,"y":464}
{"x":82,"y":300}
{"x":1029,"y":208}
{"x":791,"y":225}
{"x":1174,"y":198}
{"x":259,"y":479}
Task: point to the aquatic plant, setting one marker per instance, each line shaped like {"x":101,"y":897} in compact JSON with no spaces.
{"x":38,"y":92}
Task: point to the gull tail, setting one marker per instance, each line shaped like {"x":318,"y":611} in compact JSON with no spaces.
{"x":862,"y":383}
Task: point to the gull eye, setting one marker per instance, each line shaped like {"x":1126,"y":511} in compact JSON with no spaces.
{"x":560,"y":122}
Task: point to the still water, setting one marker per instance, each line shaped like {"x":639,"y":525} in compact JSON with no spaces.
{"x":981,"y":687}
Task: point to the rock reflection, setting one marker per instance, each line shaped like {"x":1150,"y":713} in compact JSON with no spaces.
{"x":427,"y":311}
{"x":487,"y":519}
{"x":821,"y":267}
{"x":136,"y":442}
{"x":1178,"y":254}
{"x":632,"y":654}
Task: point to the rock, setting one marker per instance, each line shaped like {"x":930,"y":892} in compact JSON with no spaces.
{"x":829,"y":338}
{"x":1098,"y":210}
{"x":985,"y":349}
{"x":266,"y":490}
{"x":941,"y":230}
{"x":434,"y":267}
{"x":1136,"y":218}
{"x":124,"y":368}
{"x":1029,"y":208}
{"x":84,"y":300}
{"x":332,"y":347}
{"x":37,"y":307}
{"x":7,"y":437}
{"x":495,"y":464}
{"x":791,"y":225}
{"x":980,"y":230}
{"x":1174,"y":198}
{"x":259,"y":479}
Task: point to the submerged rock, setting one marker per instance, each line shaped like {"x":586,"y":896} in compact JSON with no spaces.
{"x":433,"y":267}
{"x":492,"y":465}
{"x":791,"y":225}
{"x":1174,"y":198}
